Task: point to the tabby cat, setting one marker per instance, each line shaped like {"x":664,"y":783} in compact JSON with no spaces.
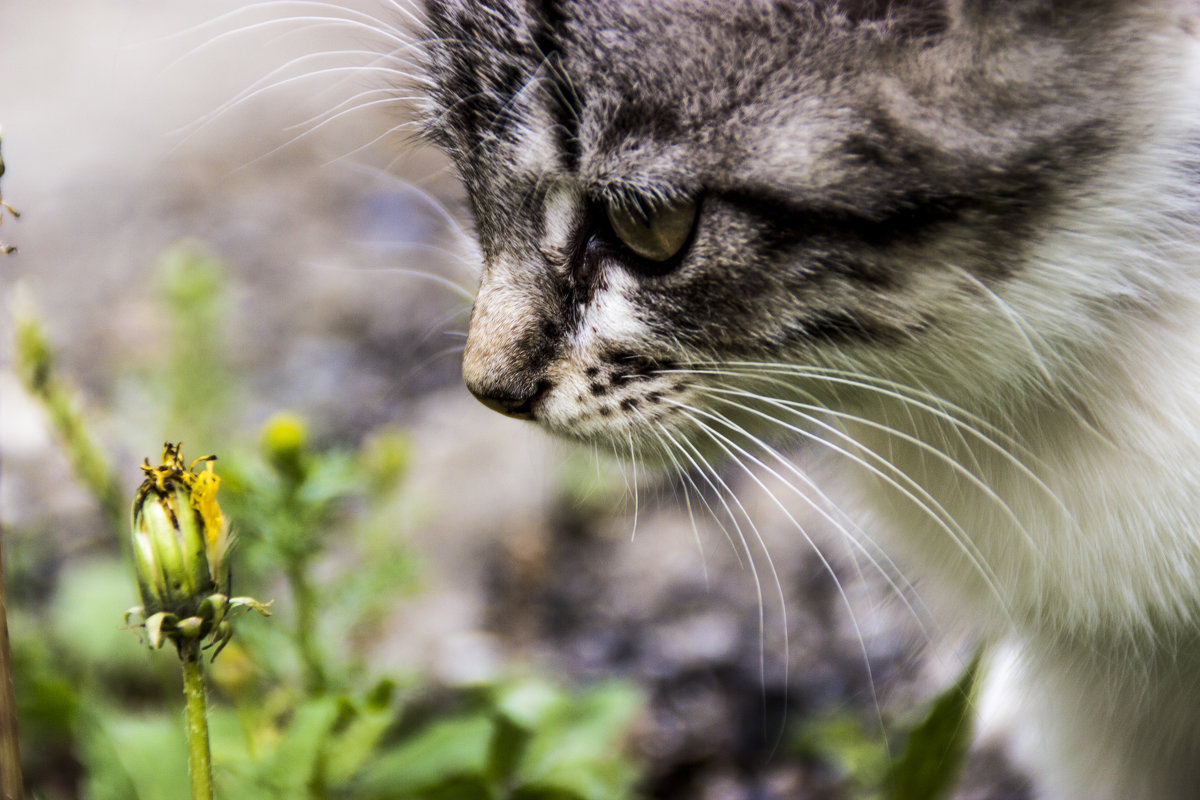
{"x":953,"y":243}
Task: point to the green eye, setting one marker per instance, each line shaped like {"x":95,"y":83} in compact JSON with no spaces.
{"x":657,"y":234}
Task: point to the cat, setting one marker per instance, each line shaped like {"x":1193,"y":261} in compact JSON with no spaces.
{"x":953,"y":243}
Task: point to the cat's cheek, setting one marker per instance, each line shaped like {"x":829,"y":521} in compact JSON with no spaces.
{"x":612,"y":321}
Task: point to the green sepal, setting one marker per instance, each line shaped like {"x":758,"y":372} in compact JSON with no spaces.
{"x":212,"y":608}
{"x":159,"y":627}
{"x":221,"y":635}
{"x":192,"y":628}
{"x":243,"y":604}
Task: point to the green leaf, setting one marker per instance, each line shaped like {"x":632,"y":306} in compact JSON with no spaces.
{"x":549,"y":793}
{"x":589,"y":727}
{"x":464,"y":788}
{"x":82,"y":614}
{"x":937,"y":747}
{"x":356,"y":744}
{"x":135,"y":757}
{"x":454,"y":750}
{"x":856,"y":751}
{"x":609,"y":778}
{"x":528,"y":703}
{"x":576,"y":750}
{"x":507,"y":747}
{"x":298,"y":759}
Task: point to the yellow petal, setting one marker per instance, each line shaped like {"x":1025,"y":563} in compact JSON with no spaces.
{"x":204,"y":500}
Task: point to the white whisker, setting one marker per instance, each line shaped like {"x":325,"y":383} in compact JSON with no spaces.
{"x":722,"y":441}
{"x":1028,"y":333}
{"x":433,"y":202}
{"x":633,"y":462}
{"x":726,"y":491}
{"x":808,"y":411}
{"x":819,"y":506}
{"x":685,"y":479}
{"x":971,"y":425}
{"x":411,"y":273}
{"x":702,"y":471}
{"x":903,"y":484}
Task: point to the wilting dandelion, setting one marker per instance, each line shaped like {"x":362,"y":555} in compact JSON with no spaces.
{"x":180,"y":545}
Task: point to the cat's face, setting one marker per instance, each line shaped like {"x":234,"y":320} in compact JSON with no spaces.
{"x":669,"y":195}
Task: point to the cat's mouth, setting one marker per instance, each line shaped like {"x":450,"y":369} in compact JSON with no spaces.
{"x":622,"y":393}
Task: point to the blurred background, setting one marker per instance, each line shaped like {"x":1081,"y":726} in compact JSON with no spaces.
{"x":226,"y":240}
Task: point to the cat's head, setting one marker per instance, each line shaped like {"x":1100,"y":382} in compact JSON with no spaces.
{"x":669,"y":192}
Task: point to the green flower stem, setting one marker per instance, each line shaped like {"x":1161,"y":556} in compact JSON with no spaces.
{"x":12,"y":786}
{"x":199,"y":754}
{"x":306,"y":621}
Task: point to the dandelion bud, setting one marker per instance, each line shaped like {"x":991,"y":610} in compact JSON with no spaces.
{"x":171,"y":536}
{"x":180,"y":542}
{"x":284,"y":439}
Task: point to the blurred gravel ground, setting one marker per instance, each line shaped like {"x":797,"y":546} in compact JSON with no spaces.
{"x":113,"y":156}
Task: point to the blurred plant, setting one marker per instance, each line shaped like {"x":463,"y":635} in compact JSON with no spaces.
{"x":193,"y":289}
{"x":932,"y":752}
{"x":11,"y":781}
{"x":518,"y":740}
{"x":295,"y":711}
{"x":180,"y":548}
{"x":5,"y":249}
{"x":297,"y":497}
{"x":36,"y":369}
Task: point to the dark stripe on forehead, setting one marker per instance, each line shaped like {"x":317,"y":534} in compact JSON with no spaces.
{"x":907,"y":218}
{"x":842,"y":327}
{"x":549,"y":22}
{"x":469,"y":58}
{"x":550,"y":36}
{"x":911,"y":17}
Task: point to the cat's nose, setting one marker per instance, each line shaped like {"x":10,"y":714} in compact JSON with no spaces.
{"x":504,"y":359}
{"x":512,"y":403}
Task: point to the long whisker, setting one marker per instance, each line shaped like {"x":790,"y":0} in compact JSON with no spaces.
{"x":800,"y":410}
{"x":1028,"y":333}
{"x":340,"y":15}
{"x":960,"y":419}
{"x":726,"y":490}
{"x":412,"y":273}
{"x":347,"y":107}
{"x":433,"y":202}
{"x":685,"y":480}
{"x":312,"y":130}
{"x":907,"y":487}
{"x":636,"y":504}
{"x":728,"y":446}
{"x":855,"y":539}
{"x":261,"y":86}
{"x":918,"y":398}
{"x":457,"y":288}
{"x":702,"y":471}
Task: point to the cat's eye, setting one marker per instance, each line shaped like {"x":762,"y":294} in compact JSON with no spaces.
{"x":657,"y":234}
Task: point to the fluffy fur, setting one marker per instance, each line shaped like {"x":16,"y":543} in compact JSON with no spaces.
{"x":955,"y":244}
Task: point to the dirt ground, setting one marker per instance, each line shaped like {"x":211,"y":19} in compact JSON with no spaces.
{"x":130,"y":126}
